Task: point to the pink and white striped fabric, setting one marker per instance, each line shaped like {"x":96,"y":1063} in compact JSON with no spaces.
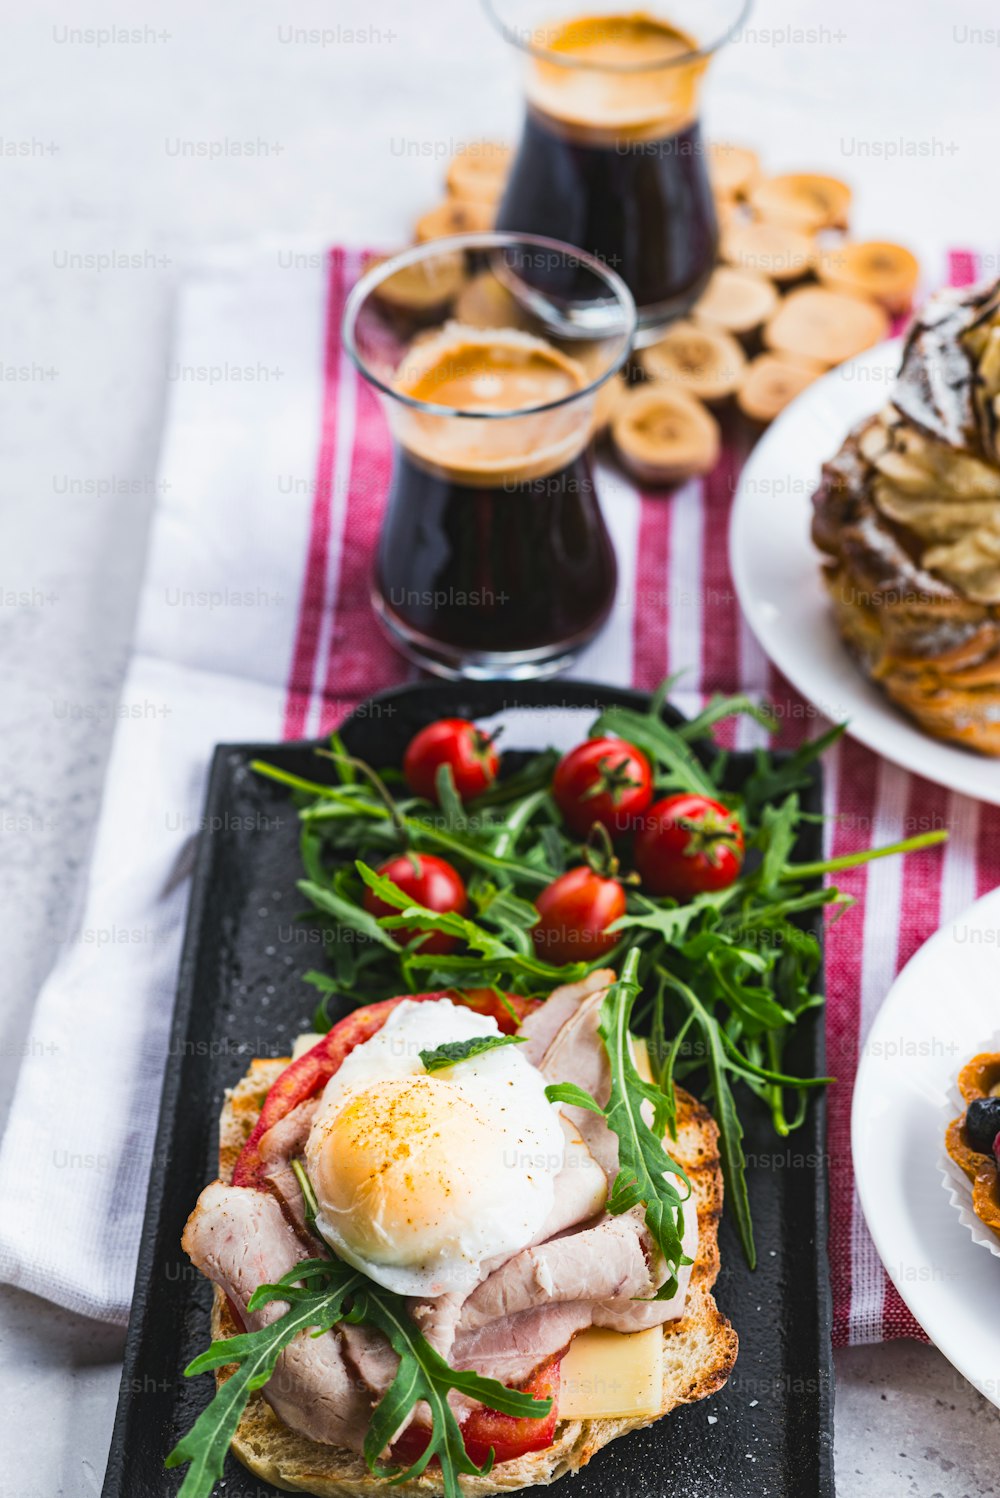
{"x":255,"y":624}
{"x":681,"y":613}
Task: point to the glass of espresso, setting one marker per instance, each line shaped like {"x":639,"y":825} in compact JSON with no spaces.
{"x":489,"y":353}
{"x":611,"y":158}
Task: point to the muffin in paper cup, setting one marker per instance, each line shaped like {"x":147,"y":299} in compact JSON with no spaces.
{"x":957,"y":1183}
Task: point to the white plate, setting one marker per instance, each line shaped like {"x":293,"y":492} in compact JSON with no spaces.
{"x":941,"y":1010}
{"x":777,"y":574}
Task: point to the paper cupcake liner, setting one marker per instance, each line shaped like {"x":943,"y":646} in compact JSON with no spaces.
{"x":957,"y":1183}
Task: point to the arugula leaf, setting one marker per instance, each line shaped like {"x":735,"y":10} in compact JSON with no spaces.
{"x":207,"y":1442}
{"x":513,"y":916}
{"x":555,"y":852}
{"x":667,"y":1074}
{"x":514,"y":824}
{"x":535,"y":775}
{"x":355,"y":800}
{"x":454,"y":1051}
{"x":867,"y":855}
{"x":352,"y":916}
{"x":719,"y":708}
{"x":671,"y":921}
{"x":425,"y":1376}
{"x":573,"y":1096}
{"x":743,"y":953}
{"x":771,"y":780}
{"x":309,"y":1201}
{"x":645,"y":1168}
{"x":345,"y":769}
{"x":320,"y":1293}
{"x":491,"y":947}
{"x":779,"y":831}
{"x":449,"y":800}
{"x":730,"y":1129}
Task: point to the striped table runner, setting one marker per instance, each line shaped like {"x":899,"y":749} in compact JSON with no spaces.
{"x":676,"y":611}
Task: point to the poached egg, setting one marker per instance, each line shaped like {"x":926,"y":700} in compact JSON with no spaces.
{"x":423,"y":1178}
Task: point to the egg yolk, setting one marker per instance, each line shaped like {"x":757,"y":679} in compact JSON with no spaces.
{"x":402,"y":1166}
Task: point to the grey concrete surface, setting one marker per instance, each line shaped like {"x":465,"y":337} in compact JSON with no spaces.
{"x":89,"y":168}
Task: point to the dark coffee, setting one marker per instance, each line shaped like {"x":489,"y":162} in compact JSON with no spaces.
{"x":644,"y":207}
{"x":524,"y":567}
{"x":612,"y":160}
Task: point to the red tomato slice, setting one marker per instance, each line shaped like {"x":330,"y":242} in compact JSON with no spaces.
{"x":485,"y":1430}
{"x":509,"y":1010}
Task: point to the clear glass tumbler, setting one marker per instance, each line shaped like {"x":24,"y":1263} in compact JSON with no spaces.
{"x":488,"y":352}
{"x":611,"y":158}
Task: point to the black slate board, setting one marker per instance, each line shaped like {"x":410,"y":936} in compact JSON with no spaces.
{"x":769,"y":1432}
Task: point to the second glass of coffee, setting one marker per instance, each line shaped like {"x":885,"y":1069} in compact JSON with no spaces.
{"x":493,"y":558}
{"x":612,"y":158}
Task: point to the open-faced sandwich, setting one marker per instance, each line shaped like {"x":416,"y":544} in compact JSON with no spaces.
{"x":908,"y":513}
{"x":467,"y":1237}
{"x":447,"y":1239}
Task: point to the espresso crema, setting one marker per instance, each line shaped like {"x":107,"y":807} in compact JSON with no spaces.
{"x":497,"y":379}
{"x":611,"y":77}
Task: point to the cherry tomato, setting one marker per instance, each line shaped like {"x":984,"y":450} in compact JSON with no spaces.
{"x":456,"y":742}
{"x":576,"y":910}
{"x":508,"y":1436}
{"x":603,"y":780}
{"x":429,"y":881}
{"x":687,"y":845}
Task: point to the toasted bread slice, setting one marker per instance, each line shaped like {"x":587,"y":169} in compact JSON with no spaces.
{"x":699,"y":1350}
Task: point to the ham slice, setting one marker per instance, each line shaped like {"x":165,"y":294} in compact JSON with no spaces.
{"x":577,"y":1054}
{"x":606,"y":1262}
{"x":239,"y":1238}
{"x":283,"y":1143}
{"x":543,"y":1025}
{"x":512,"y":1348}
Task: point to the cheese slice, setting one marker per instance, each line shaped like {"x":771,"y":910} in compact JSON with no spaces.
{"x":609,"y":1375}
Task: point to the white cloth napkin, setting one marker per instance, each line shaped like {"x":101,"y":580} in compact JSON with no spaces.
{"x":214,"y":640}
